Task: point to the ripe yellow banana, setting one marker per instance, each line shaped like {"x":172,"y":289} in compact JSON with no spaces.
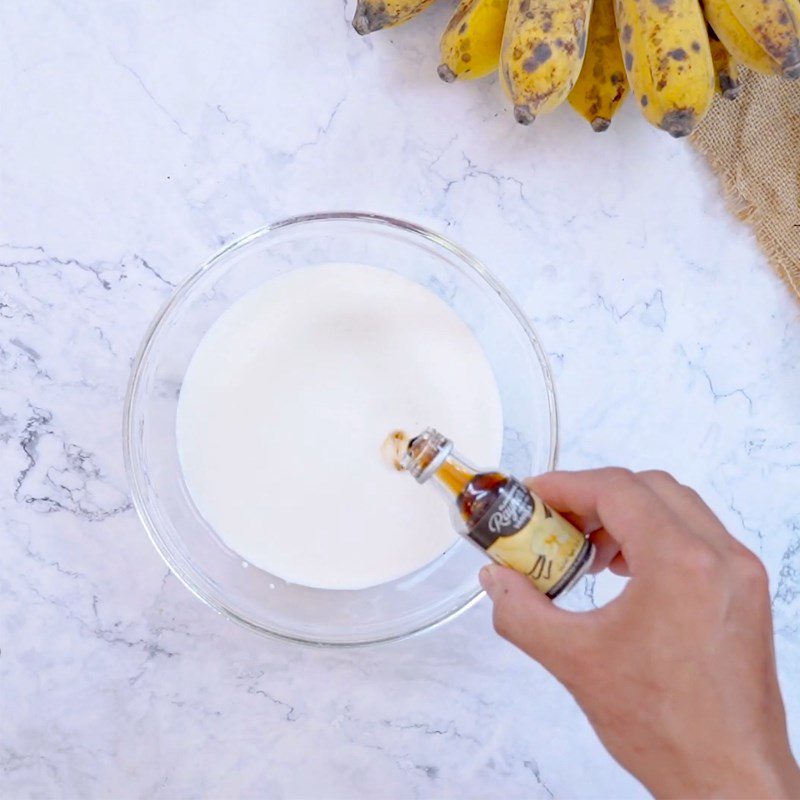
{"x":668,"y":61}
{"x":373,"y":15}
{"x":602,"y":84}
{"x":471,"y":41}
{"x":738,"y":42}
{"x":728,"y":81}
{"x":774,"y":25}
{"x":543,"y":47}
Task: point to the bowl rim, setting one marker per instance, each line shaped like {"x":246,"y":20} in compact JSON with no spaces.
{"x":177,"y":295}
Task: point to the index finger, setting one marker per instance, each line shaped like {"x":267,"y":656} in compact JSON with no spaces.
{"x":647,"y":530}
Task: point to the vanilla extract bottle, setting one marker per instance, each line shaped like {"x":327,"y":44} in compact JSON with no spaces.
{"x":501,"y":515}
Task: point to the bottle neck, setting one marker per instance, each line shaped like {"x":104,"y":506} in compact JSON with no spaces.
{"x":430,"y":457}
{"x":453,"y":476}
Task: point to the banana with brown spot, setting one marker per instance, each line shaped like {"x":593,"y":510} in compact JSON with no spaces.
{"x":728,"y":79}
{"x":774,"y":25}
{"x":668,"y":60}
{"x":471,"y":41}
{"x":374,"y":15}
{"x":738,"y":42}
{"x":602,"y":84}
{"x":544,"y":43}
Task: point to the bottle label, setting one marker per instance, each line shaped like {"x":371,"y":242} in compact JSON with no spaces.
{"x":520,"y":531}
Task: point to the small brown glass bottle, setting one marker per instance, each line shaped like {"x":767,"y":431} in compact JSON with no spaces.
{"x":502,"y":516}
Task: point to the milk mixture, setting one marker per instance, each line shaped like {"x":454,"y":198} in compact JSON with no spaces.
{"x":286,"y":405}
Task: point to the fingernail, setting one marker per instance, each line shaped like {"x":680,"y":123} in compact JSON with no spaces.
{"x":486,"y":578}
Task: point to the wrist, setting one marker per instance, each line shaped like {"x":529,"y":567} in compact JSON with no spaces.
{"x":777,"y":779}
{"x":787,"y":778}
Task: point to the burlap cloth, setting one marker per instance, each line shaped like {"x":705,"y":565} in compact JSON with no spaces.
{"x":753,"y":145}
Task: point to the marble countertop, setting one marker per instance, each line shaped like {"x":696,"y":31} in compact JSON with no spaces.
{"x":136,"y":139}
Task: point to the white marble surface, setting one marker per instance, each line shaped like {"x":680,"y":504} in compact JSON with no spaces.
{"x":138,"y":137}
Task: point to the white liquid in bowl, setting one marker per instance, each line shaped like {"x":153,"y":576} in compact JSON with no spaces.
{"x":287,"y":402}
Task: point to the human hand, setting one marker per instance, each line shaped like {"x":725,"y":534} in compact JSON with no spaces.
{"x":677,"y":675}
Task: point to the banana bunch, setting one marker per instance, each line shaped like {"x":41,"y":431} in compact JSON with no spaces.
{"x":674,"y":55}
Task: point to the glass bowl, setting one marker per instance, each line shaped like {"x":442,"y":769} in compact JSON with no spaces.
{"x":254,"y":598}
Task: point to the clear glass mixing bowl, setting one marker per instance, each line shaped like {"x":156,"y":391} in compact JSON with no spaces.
{"x":263,"y":602}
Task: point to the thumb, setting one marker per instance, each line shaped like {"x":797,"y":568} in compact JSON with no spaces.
{"x":529,"y":620}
